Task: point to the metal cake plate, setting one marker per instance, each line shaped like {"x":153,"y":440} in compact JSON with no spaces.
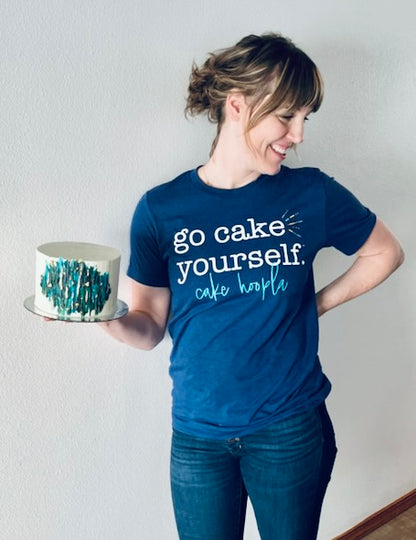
{"x":121,"y":309}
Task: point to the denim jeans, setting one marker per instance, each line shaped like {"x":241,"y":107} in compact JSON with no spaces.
{"x":284,"y":469}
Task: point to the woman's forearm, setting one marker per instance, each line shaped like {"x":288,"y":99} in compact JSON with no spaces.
{"x":136,"y":329}
{"x":380,"y":256}
{"x":362,"y":276}
{"x":144,"y":325}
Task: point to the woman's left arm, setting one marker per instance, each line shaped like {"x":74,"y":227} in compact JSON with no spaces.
{"x":379,"y":257}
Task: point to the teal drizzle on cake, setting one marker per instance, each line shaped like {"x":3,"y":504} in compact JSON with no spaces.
{"x":74,"y":287}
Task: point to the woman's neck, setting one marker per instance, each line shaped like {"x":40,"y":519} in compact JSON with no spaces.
{"x":227,"y":168}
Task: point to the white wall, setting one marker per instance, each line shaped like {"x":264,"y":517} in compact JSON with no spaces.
{"x":92,"y":98}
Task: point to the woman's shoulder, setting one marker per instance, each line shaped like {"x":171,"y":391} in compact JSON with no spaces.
{"x":307,"y":174}
{"x":167,"y":195}
{"x":164,"y":189}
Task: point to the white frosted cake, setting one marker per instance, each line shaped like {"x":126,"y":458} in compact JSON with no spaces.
{"x":76,"y":280}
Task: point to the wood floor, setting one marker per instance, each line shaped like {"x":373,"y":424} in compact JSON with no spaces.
{"x":402,"y":527}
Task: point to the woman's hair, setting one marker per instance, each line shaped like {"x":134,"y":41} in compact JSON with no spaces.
{"x":268,"y":69}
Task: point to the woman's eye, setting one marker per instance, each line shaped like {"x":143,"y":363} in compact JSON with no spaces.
{"x":288,"y":117}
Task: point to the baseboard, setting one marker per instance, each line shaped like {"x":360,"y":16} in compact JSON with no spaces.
{"x":379,"y":518}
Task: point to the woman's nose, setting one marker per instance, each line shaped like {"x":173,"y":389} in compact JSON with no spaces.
{"x":296,"y":131}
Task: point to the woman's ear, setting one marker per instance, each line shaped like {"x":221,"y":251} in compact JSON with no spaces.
{"x":235,"y":105}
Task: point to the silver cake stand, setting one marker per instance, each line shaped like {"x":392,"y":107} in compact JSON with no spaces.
{"x":121,"y":309}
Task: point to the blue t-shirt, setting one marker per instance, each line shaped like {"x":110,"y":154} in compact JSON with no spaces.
{"x":243,"y":317}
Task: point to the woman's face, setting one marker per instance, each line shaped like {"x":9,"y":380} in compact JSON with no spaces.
{"x":269,"y":141}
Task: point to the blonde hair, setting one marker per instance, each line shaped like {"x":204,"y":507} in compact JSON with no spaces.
{"x":268,"y":69}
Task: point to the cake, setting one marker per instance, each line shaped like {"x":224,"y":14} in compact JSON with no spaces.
{"x":76,"y":280}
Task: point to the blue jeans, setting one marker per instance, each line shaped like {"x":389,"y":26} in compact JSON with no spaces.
{"x":284,"y":469}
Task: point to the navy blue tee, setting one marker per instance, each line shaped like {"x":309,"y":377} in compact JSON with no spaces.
{"x":243,"y":317}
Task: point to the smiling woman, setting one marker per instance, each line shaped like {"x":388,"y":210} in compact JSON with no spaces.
{"x":223,"y":255}
{"x":268,"y":70}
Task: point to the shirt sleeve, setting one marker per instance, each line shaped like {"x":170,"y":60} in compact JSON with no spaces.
{"x":348,"y":222}
{"x":147,"y":264}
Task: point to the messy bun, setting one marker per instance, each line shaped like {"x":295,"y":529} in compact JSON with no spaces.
{"x":263,"y":66}
{"x":203,"y":92}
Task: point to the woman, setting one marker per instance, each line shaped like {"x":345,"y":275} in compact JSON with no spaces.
{"x":227,"y":250}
